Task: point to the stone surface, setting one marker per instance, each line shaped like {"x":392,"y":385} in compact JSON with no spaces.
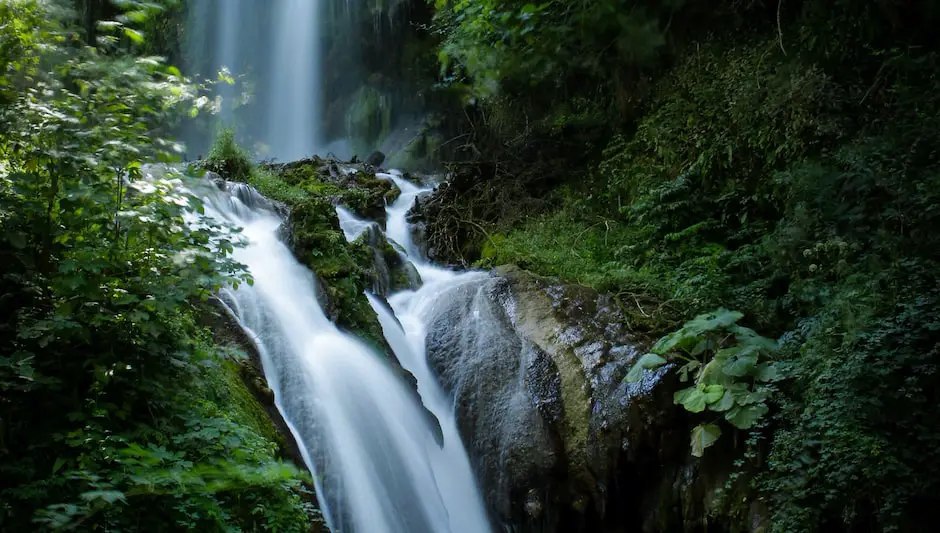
{"x":560,"y":443}
{"x":389,"y":270}
{"x":376,"y":159}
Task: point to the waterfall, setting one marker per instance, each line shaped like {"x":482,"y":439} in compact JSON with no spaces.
{"x":229,"y":53}
{"x":293,"y":105}
{"x":405,"y":328}
{"x":377,"y":464}
{"x":273,"y":49}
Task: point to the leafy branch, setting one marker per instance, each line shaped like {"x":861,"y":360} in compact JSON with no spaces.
{"x":729,"y":369}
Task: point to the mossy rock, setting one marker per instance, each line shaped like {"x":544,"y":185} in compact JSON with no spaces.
{"x":389,"y":271}
{"x":351,"y":184}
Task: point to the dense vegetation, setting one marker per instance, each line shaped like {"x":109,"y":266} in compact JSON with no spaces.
{"x":778,"y":158}
{"x":118,"y":412}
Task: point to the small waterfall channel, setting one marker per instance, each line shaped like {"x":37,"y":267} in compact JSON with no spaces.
{"x":377,"y":464}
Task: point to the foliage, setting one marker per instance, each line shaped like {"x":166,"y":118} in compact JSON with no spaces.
{"x":498,"y":42}
{"x":730,"y":378}
{"x":116,"y":412}
{"x":784,"y":164}
{"x":228,"y":159}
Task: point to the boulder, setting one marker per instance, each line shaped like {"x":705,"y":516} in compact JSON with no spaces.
{"x":376,"y":159}
{"x":390,"y":270}
{"x":560,"y":443}
{"x":349,"y":183}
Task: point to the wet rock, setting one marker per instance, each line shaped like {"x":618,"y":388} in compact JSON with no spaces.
{"x":376,"y":159}
{"x":227,"y":333}
{"x":559,"y":441}
{"x":390,"y":270}
{"x":493,"y":374}
{"x":349,"y":183}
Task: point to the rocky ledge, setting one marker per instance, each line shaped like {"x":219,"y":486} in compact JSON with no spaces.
{"x":560,"y":442}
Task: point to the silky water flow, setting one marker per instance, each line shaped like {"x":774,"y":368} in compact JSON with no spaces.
{"x":376,"y":460}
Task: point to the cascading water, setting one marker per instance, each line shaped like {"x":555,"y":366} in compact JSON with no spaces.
{"x":405,"y":328}
{"x":275,"y":45}
{"x":229,"y":50}
{"x":293,"y":106}
{"x":377,"y":464}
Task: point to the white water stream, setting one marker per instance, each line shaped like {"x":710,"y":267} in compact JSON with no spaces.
{"x":377,"y":464}
{"x":274,"y":48}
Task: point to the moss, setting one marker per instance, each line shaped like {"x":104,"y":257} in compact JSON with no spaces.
{"x":369,"y":117}
{"x":310,"y":189}
{"x":317,"y":240}
{"x":361,"y":191}
{"x":241,"y":404}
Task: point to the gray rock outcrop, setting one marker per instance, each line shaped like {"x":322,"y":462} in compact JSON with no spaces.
{"x":536,"y":369}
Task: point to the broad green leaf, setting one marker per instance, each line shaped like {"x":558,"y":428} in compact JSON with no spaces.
{"x":767,"y":372}
{"x":745,"y":416}
{"x":742,"y":363}
{"x":752,"y":397}
{"x":724,"y":354}
{"x":702,"y":346}
{"x":721,"y":318}
{"x":692,"y":399}
{"x":712,"y":374}
{"x":667,"y":343}
{"x":726,"y":402}
{"x":713,"y":393}
{"x":647,"y":362}
{"x":703,"y":436}
{"x":651,"y":361}
{"x":749,"y":337}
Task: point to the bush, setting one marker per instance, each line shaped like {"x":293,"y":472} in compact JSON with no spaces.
{"x":227,"y":159}
{"x":116,"y":411}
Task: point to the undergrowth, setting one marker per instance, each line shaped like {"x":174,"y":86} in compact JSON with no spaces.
{"x":800,"y":187}
{"x":116,"y":413}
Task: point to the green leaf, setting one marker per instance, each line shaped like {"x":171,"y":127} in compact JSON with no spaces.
{"x":109,"y":496}
{"x":670,"y":342}
{"x":767,"y":372}
{"x":749,"y":337}
{"x":745,"y":416}
{"x":726,"y":402}
{"x":741,"y":363}
{"x":712,"y":374}
{"x":702,"y":346}
{"x":721,"y":318}
{"x":691,"y":398}
{"x":651,"y":361}
{"x":647,"y":362}
{"x":703,"y":436}
{"x":134,"y":35}
{"x":713,"y":393}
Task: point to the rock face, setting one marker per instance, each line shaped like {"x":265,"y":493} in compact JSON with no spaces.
{"x":376,"y":159}
{"x":536,"y":369}
{"x":559,"y":442}
{"x":352,"y":184}
{"x":390,"y":272}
